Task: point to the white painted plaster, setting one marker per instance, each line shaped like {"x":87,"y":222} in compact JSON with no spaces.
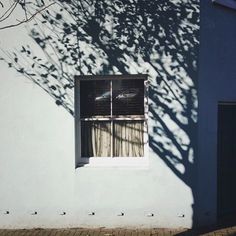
{"x":37,"y":173}
{"x":37,"y":169}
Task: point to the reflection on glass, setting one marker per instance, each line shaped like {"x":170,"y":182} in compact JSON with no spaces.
{"x":128,"y":97}
{"x":103,"y":97}
{"x":127,"y":94}
{"x":95,"y":98}
{"x":95,"y":139}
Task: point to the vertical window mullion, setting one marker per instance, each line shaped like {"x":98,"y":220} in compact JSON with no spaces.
{"x":111,"y":121}
{"x":78,"y":126}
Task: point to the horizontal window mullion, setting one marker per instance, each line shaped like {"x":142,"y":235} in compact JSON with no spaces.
{"x":113,"y":119}
{"x":109,"y":77}
{"x":129,"y":118}
{"x":95,"y":119}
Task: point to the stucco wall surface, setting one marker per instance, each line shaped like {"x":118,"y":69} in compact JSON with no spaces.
{"x":38,"y":174}
{"x":37,"y":141}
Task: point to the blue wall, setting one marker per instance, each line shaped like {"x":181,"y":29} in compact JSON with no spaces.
{"x":217,"y":82}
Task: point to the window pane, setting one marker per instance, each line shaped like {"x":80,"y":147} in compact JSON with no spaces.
{"x":94,"y":98}
{"x":128,"y":97}
{"x":95,"y":139}
{"x":128,"y":139}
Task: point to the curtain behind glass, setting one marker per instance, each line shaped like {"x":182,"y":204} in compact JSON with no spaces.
{"x":128,"y":139}
{"x":95,"y":139}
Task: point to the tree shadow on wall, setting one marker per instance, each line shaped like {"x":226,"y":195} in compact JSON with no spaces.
{"x":158,"y":38}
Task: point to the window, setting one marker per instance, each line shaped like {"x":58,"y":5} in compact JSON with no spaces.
{"x":111,"y":119}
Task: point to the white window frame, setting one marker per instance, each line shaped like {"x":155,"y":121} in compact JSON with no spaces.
{"x":80,"y":161}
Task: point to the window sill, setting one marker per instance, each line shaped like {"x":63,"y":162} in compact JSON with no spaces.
{"x":130,"y":162}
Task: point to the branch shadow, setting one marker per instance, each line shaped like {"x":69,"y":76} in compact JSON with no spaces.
{"x":158,"y":38}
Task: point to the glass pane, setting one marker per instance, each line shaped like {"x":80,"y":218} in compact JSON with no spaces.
{"x":95,"y":139}
{"x":128,"y":139}
{"x":128,"y":97}
{"x":95,"y":98}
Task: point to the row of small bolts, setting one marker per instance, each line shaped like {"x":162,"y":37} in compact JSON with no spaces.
{"x":33,"y":213}
{"x":122,"y":214}
{"x":148,"y":215}
{"x":93,"y":213}
{"x":90,"y":214}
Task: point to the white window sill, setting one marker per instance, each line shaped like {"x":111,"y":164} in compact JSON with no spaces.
{"x":130,"y":162}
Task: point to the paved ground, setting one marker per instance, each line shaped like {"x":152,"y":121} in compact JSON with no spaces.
{"x":119,"y":232}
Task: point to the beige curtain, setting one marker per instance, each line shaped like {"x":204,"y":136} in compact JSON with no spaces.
{"x":128,"y":139}
{"x":95,"y":139}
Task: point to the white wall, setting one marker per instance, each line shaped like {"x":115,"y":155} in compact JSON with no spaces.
{"x":37,"y":172}
{"x":36,"y":150}
{"x":37,"y":169}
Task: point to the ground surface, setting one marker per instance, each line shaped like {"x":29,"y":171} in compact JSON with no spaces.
{"x":118,"y":232}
